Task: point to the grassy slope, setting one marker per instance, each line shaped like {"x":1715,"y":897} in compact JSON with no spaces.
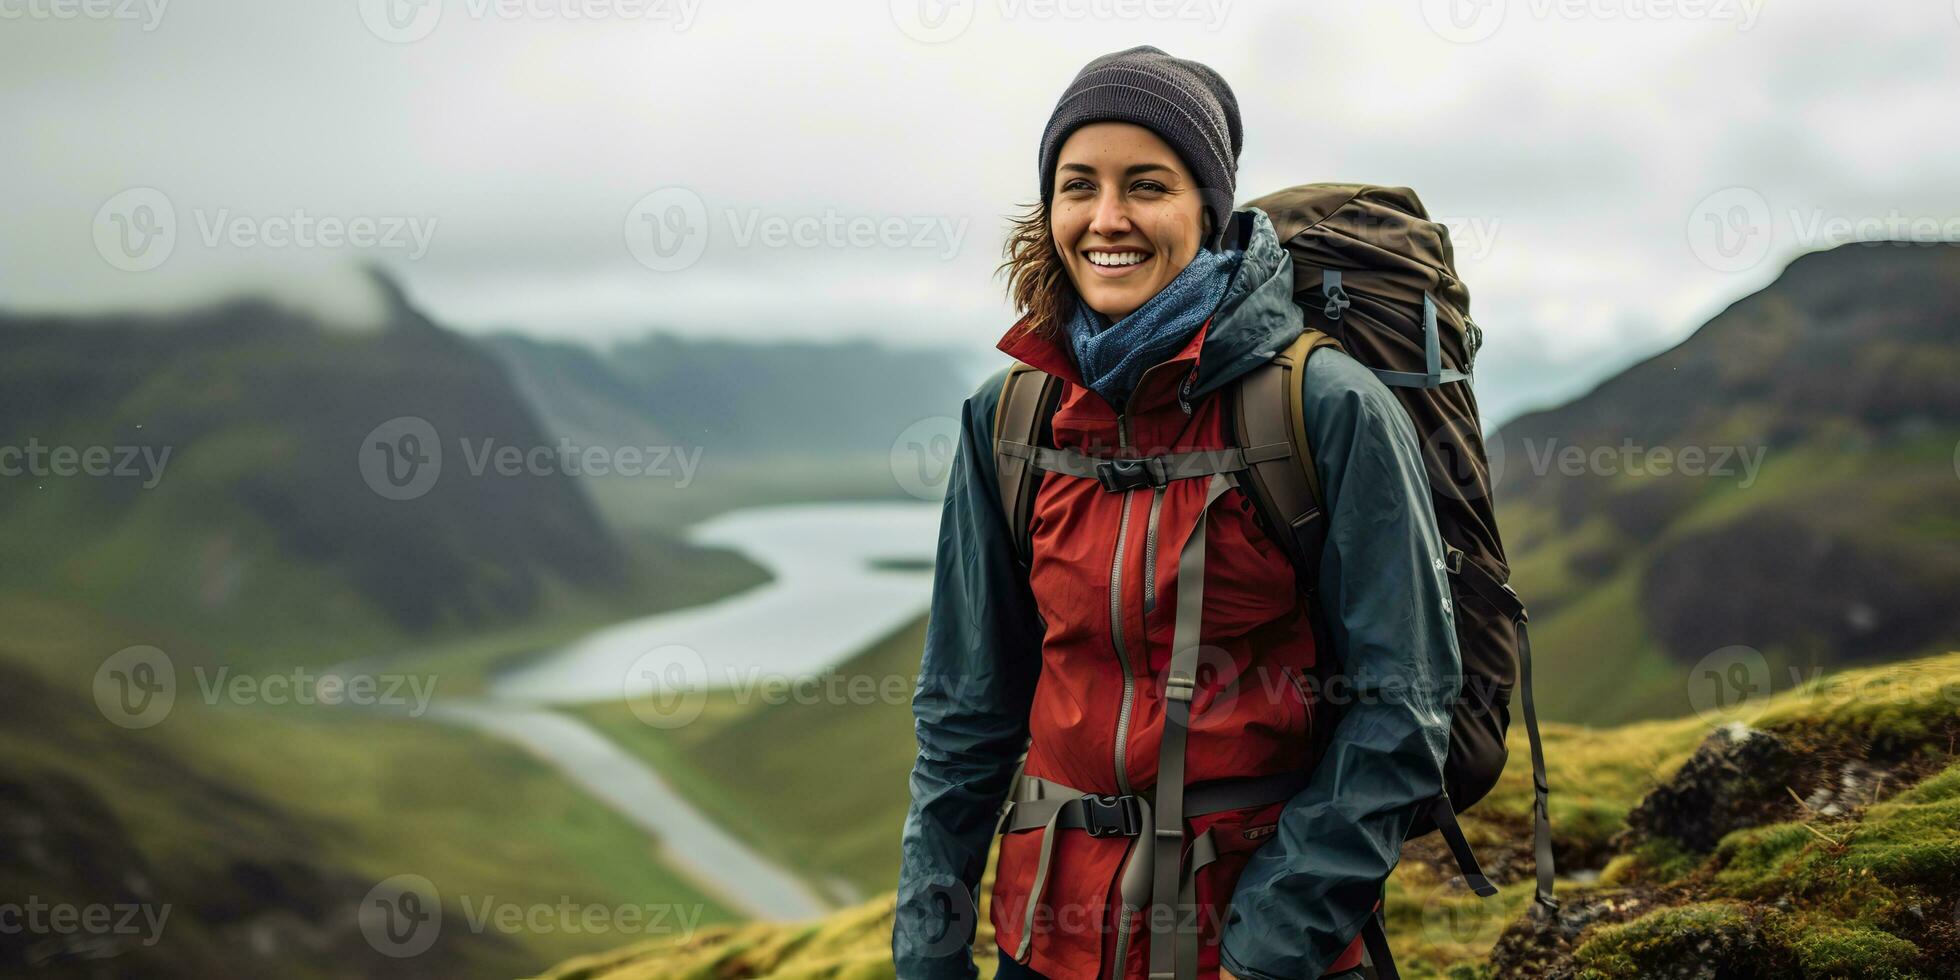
{"x":1597,"y":661}
{"x":352,"y":797}
{"x":1820,"y":905}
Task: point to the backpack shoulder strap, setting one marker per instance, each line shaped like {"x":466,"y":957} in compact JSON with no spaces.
{"x":1027,"y":399}
{"x":1268,"y":409}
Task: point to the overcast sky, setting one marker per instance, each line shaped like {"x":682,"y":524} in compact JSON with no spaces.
{"x":1614,"y":171}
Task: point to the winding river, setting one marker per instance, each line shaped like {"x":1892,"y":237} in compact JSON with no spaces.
{"x":827,"y":601}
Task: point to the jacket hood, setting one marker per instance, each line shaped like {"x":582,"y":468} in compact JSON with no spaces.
{"x":1256,"y":319}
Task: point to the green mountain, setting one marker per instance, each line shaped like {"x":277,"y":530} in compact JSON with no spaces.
{"x":260,"y":513}
{"x":202,"y":483}
{"x":1781,"y":480}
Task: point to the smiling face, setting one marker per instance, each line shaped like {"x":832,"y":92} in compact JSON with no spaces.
{"x":1126,"y":217}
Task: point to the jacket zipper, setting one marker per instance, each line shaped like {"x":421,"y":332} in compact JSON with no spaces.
{"x":1116,"y":632}
{"x":1116,"y":624}
{"x":1129,"y":680}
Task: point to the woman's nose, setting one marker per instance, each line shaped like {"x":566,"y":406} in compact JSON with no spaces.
{"x":1111,"y":218}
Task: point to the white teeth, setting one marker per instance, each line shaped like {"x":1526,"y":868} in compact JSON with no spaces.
{"x":1115,"y":258}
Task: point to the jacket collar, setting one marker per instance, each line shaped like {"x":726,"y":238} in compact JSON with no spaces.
{"x":1257,"y":319}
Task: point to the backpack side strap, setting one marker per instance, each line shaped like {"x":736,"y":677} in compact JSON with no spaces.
{"x":1284,"y":489}
{"x":1027,"y":398}
{"x":1505,"y":599}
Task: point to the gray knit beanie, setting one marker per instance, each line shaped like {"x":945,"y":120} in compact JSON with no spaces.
{"x":1184,"y":102}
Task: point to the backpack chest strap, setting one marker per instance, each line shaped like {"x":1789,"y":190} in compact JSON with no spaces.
{"x":1133,"y":472}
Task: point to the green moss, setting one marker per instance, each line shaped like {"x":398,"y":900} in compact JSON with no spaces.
{"x":1655,"y":862}
{"x":1705,"y":933}
{"x":1822,"y":948}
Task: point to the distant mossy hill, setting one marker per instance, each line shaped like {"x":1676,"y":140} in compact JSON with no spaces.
{"x":1834,"y":853}
{"x":1783,"y":479}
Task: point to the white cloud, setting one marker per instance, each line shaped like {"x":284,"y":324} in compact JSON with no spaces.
{"x":1582,"y":142}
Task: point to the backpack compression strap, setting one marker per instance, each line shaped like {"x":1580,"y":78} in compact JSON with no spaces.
{"x":1284,"y":489}
{"x":1027,"y":399}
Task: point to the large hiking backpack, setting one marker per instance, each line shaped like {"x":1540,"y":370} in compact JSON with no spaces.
{"x":1377,"y":279}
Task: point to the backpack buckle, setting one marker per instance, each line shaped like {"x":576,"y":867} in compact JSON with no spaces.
{"x":1129,"y":474}
{"x":1111,"y":816}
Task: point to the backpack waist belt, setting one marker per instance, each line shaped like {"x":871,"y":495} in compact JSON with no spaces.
{"x":1036,"y":802}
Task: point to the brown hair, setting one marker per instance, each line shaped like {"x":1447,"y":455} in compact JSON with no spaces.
{"x":1037,"y":282}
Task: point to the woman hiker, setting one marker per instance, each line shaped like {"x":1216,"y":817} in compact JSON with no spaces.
{"x":1148,"y":295}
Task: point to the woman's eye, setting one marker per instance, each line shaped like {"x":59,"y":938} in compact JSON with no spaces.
{"x":1147,"y":187}
{"x":1077,"y":184}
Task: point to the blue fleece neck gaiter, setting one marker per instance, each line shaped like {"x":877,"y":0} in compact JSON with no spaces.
{"x":1113,"y":356}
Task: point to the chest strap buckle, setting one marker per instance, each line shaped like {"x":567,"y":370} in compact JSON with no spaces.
{"x":1111,"y":816}
{"x":1129,"y":474}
